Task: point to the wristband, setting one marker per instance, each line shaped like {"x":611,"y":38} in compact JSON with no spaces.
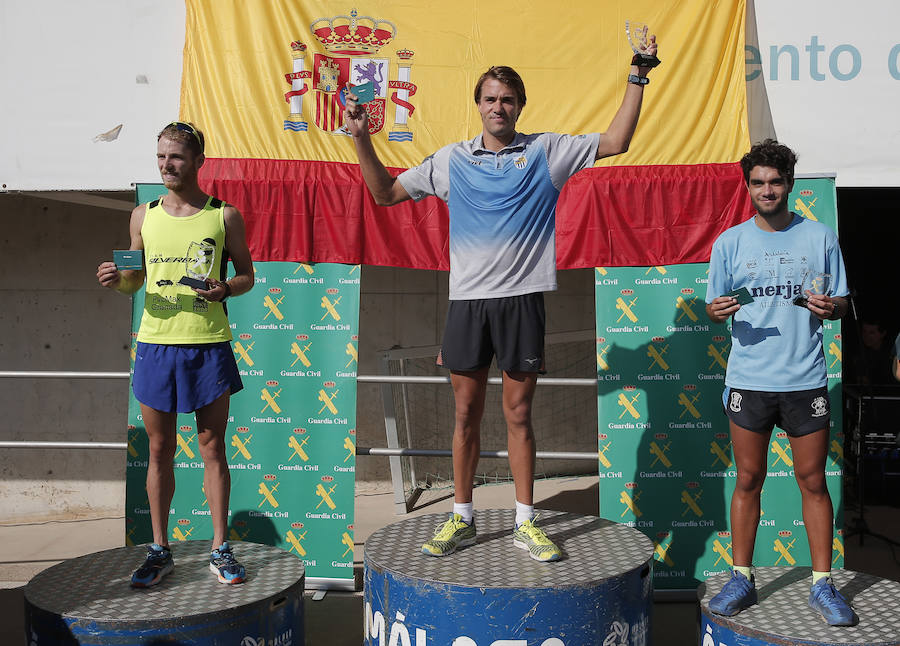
{"x":638,"y":80}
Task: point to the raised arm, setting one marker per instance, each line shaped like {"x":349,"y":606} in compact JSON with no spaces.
{"x":129,"y":280}
{"x":617,"y":138}
{"x":384,"y":187}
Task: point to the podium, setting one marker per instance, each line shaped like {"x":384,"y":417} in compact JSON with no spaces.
{"x":494,"y":593}
{"x":89,"y":600}
{"x":783,"y":615}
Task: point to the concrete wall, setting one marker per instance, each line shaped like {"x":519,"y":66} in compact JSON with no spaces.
{"x":54,"y":316}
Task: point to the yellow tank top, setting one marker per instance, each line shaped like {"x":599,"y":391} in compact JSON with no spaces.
{"x":174,"y":247}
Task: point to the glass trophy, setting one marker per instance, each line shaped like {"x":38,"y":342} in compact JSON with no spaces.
{"x":199,"y":262}
{"x":639,"y":39}
{"x":814,"y":283}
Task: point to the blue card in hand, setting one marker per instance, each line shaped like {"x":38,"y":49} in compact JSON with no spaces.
{"x":128,"y":259}
{"x":741,"y":295}
{"x":365,"y":92}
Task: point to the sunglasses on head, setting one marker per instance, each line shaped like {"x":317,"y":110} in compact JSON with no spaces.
{"x":186,"y":127}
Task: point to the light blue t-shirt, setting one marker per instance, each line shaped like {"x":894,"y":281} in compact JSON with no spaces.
{"x":502,"y":209}
{"x":775,"y":345}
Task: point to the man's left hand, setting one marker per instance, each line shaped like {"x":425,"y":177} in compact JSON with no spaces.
{"x":215,"y":291}
{"x":821,"y":305}
{"x":651,"y":49}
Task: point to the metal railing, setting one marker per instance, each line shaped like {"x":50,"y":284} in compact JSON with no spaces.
{"x":393,"y":451}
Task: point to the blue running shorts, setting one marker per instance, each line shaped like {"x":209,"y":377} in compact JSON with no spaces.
{"x":184,"y":378}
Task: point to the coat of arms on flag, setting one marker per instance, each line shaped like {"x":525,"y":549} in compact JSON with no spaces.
{"x":351,"y":45}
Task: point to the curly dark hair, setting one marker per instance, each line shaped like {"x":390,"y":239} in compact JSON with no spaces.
{"x":772,"y":154}
{"x":507,"y":76}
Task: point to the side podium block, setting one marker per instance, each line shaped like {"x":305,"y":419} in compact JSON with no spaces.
{"x":783,"y":615}
{"x":89,"y":600}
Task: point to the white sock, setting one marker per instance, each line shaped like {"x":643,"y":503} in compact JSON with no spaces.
{"x":523,"y":513}
{"x":464,"y":509}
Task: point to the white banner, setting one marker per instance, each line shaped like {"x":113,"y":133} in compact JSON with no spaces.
{"x":826,"y":78}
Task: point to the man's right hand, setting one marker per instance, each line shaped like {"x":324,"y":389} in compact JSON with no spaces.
{"x":721,"y":307}
{"x":355,"y":117}
{"x":108,"y":275}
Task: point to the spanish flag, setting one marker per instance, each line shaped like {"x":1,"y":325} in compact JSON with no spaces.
{"x":263,"y":80}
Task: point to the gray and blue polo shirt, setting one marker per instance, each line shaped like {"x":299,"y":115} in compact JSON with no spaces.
{"x":502,"y":209}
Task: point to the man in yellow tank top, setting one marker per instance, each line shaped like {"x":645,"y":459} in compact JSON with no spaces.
{"x":184,"y":361}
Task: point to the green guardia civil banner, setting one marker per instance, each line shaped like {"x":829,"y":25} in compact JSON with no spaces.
{"x":665,"y":460}
{"x":291,"y":431}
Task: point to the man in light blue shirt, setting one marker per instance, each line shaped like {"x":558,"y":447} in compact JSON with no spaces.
{"x":501,"y":190}
{"x":778,"y":276}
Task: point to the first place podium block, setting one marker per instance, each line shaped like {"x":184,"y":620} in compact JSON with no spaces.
{"x":492,"y":593}
{"x":783,"y":616}
{"x":89,"y":600}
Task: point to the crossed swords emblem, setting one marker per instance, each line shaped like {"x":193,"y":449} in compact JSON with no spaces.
{"x":718,"y":356}
{"x":241,"y":446}
{"x":629,"y":502}
{"x":662,"y":552}
{"x":691,"y":502}
{"x":781,"y":454}
{"x":244,"y":352}
{"x":269,"y":398}
{"x":325,"y":495}
{"x":330,"y":308}
{"x":301,"y":353}
{"x":686,"y":309}
{"x":720,"y":454}
{"x":783,"y":551}
{"x":295,"y":542}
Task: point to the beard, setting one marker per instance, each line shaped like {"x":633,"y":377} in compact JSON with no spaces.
{"x":770,"y":208}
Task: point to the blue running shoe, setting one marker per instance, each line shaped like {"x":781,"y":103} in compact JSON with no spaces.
{"x":158,"y":564}
{"x":737,"y":593}
{"x":225,"y":566}
{"x":831,"y":604}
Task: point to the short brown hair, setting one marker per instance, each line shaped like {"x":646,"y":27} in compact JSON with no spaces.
{"x":185,"y":133}
{"x":772,"y":154}
{"x":507,"y":76}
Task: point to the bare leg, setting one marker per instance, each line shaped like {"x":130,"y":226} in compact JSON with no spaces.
{"x":810,"y":452}
{"x":211,"y":422}
{"x":750,"y":451}
{"x":160,"y":427}
{"x":518,"y":393}
{"x":468,"y":393}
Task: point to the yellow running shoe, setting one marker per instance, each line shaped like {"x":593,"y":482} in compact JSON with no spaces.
{"x":528,"y":536}
{"x":449,"y":535}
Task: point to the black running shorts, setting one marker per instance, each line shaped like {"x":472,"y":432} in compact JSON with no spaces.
{"x":512,"y":328}
{"x":798,"y":412}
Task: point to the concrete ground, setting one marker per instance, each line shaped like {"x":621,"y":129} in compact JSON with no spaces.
{"x":30,"y":548}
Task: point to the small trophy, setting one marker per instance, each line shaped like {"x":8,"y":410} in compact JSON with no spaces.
{"x":815,"y":283}
{"x":199,"y":261}
{"x":637,"y":33}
